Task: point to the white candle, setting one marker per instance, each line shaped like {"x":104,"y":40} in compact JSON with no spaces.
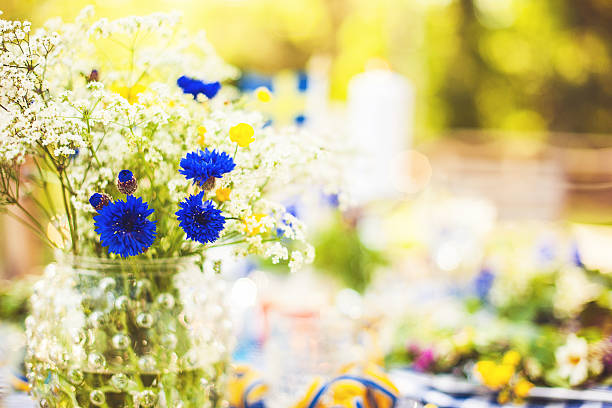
{"x":380,"y":117}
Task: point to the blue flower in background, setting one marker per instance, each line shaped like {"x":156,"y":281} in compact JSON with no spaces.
{"x":252,"y":80}
{"x":300,"y":120}
{"x":124,"y":228}
{"x":484,"y":282}
{"x":302,"y":81}
{"x":289,"y":209}
{"x":195,"y":87}
{"x":331,"y":199}
{"x":546,"y":252}
{"x":575,"y":254}
{"x":200,"y":166}
{"x":201,"y":221}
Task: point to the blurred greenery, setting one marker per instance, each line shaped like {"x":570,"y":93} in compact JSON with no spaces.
{"x":342,"y":254}
{"x":497,"y":64}
{"x":14,"y":298}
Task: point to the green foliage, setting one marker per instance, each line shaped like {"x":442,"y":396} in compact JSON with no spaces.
{"x":342,"y":254}
{"x":520,"y":65}
{"x":14,"y":300}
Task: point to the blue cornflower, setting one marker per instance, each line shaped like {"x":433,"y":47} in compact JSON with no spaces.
{"x":195,"y":86}
{"x":201,"y":221}
{"x":124,"y":228}
{"x":204,"y":166}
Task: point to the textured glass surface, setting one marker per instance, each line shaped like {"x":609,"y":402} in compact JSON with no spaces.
{"x":126,"y":333}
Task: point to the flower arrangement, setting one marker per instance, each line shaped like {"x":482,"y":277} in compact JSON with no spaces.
{"x":534,"y":314}
{"x":124,"y":146}
{"x":119,"y":139}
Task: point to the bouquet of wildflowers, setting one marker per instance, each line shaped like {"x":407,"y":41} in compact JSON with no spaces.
{"x":124,"y":139}
{"x":120,"y":139}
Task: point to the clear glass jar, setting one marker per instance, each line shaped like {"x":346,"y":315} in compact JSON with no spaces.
{"x":128,"y":333}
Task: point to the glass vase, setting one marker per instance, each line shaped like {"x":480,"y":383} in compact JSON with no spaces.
{"x":128,"y":333}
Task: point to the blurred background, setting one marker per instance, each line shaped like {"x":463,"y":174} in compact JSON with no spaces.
{"x":499,"y":112}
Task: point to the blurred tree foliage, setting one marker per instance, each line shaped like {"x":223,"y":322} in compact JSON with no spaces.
{"x":520,"y":65}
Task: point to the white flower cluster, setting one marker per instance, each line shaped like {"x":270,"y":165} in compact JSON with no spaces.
{"x":93,"y":98}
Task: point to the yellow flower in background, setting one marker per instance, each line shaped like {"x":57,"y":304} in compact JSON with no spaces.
{"x":503,"y":397}
{"x":201,"y":136}
{"x":493,"y":375}
{"x":252,"y":224}
{"x":430,"y":406}
{"x":129,"y":93}
{"x":511,"y":358}
{"x":223,"y":194}
{"x":522,"y":388}
{"x":242,"y":134}
{"x":263,"y":94}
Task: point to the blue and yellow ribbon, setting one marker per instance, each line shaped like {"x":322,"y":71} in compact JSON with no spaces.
{"x":246,"y":389}
{"x":370,"y":388}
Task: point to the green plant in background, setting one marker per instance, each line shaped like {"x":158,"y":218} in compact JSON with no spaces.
{"x":533,"y":298}
{"x":14,"y":296}
{"x":342,"y":254}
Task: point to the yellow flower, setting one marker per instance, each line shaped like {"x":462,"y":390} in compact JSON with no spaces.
{"x":503,"y":397}
{"x":263,"y":94}
{"x":223,"y":194}
{"x":252,"y":224}
{"x":129,"y":93}
{"x":522,"y":388}
{"x":512,"y":358}
{"x":242,"y":134}
{"x":201,"y":134}
{"x":430,"y":406}
{"x":494,"y":375}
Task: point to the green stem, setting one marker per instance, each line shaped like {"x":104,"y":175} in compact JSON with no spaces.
{"x":40,"y":205}
{"x":45,"y":185}
{"x":71,"y":224}
{"x":27,"y":214}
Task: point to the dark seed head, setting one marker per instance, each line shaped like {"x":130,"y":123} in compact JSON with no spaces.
{"x":99,"y":200}
{"x":126,"y":182}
